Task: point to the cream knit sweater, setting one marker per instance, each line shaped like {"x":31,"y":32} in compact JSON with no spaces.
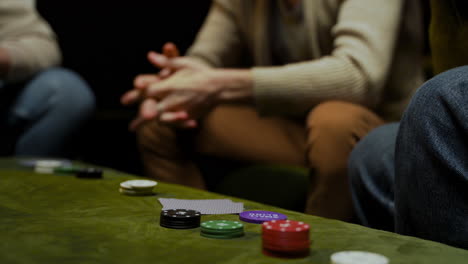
{"x":363,"y":51}
{"x":27,"y":38}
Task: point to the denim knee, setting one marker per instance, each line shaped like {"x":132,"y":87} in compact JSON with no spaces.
{"x":445,"y":92}
{"x":430,"y":161}
{"x":367,"y":160}
{"x":70,"y":94}
{"x":371,"y":175}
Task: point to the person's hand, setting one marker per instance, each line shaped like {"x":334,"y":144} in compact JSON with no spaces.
{"x":192,"y":92}
{"x":180,"y":99}
{"x":170,"y":50}
{"x":149,"y":108}
{"x":165,"y":62}
{"x":187,"y":95}
{"x":142,"y":81}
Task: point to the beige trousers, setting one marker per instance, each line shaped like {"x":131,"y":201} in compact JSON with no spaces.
{"x":322,"y":144}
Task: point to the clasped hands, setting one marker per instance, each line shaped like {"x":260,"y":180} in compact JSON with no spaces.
{"x":182,"y":92}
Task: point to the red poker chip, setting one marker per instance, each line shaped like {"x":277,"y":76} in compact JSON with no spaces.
{"x":297,"y":230}
{"x":286,"y":241}
{"x":288,"y":244}
{"x":285,"y":249}
{"x":285,"y":226}
{"x":285,"y":238}
{"x":301,"y":236}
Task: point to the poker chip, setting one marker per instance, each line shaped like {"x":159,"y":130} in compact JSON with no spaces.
{"x":31,"y":163}
{"x":138,"y":184}
{"x":137,"y":187}
{"x":42,"y":170}
{"x":64,"y":166}
{"x":285,"y":238}
{"x":49,"y":163}
{"x":228,"y":236}
{"x":133,"y":193}
{"x":258,"y":217}
{"x":180,"y":219}
{"x":89,"y":173}
{"x":80,"y":172}
{"x":222,"y":229}
{"x":358,"y":257}
{"x":46,"y":166}
{"x":66,"y":170}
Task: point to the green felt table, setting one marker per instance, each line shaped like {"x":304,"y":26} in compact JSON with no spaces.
{"x":62,"y":219}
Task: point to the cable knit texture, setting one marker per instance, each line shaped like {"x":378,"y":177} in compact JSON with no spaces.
{"x":363,"y":51}
{"x":27,"y":38}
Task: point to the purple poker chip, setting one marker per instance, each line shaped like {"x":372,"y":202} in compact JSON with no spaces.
{"x":258,"y":217}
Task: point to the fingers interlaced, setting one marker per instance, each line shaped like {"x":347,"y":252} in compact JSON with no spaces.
{"x":158,"y":60}
{"x":171,"y":50}
{"x":140,"y":84}
{"x":143,"y":80}
{"x":147,"y":89}
{"x":130,"y":97}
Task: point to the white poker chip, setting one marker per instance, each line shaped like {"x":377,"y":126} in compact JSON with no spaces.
{"x":142,"y":184}
{"x":133,"y":192}
{"x":138,"y":184}
{"x":48,"y":163}
{"x":47,"y":166}
{"x":43,"y":170}
{"x":358,"y":257}
{"x":126,"y":185}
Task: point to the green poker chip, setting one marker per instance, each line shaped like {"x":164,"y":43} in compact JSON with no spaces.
{"x":226,"y":236}
{"x":222,"y":229}
{"x":69,"y":170}
{"x":220,"y":232}
{"x":222,"y":225}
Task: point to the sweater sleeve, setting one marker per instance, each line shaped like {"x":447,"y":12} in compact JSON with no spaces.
{"x":364,"y":38}
{"x":219,"y":42}
{"x":28,"y":39}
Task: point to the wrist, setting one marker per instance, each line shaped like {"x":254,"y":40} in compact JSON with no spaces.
{"x":234,"y":85}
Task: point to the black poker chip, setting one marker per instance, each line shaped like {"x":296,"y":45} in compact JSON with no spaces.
{"x":89,"y":173}
{"x":180,"y":219}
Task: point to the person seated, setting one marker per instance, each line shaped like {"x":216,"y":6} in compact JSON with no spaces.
{"x":42,"y":106}
{"x":412,"y":177}
{"x":287,"y":82}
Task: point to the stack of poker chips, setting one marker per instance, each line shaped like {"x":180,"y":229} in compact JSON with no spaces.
{"x":88,"y":173}
{"x":47,"y":166}
{"x":58,"y":166}
{"x":137,"y":187}
{"x":222,"y":229}
{"x":258,"y":217}
{"x":285,"y":238}
{"x":180,"y":219}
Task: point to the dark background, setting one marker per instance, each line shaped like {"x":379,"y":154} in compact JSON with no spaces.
{"x":106,"y":43}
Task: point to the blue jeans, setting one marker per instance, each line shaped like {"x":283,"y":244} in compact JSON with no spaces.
{"x":413,"y":178}
{"x":40,"y":117}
